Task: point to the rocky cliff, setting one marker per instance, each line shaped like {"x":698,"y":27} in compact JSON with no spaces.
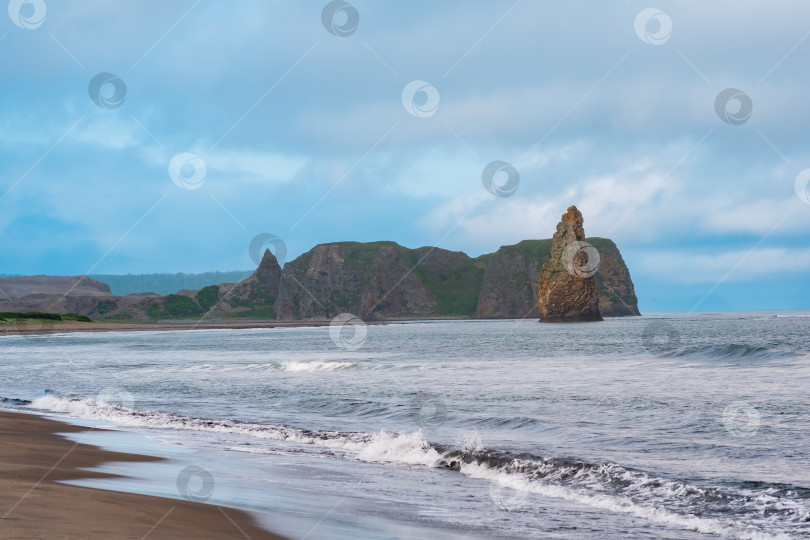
{"x":374,"y":280}
{"x":378,"y":280}
{"x":567,"y":290}
{"x":512,"y":278}
{"x":52,"y":294}
{"x":256,"y":294}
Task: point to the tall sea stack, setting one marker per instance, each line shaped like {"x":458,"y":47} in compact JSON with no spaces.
{"x":567,"y":291}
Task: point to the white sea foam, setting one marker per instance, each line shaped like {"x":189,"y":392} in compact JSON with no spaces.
{"x":405,"y":448}
{"x":385,"y":446}
{"x":291,"y":366}
{"x":644,"y":497}
{"x":611,"y":503}
{"x":316,"y":365}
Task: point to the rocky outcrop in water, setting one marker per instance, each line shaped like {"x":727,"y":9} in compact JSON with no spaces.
{"x":512,"y":281}
{"x":567,"y":289}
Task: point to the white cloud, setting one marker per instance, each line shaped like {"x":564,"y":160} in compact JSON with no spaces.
{"x":692,"y":266}
{"x":255,"y":166}
{"x":636,"y":204}
{"x":756,"y":217}
{"x":108,"y":131}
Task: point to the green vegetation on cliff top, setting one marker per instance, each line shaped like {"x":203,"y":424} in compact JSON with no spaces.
{"x":454,"y":286}
{"x":175,"y":306}
{"x":15,"y":317}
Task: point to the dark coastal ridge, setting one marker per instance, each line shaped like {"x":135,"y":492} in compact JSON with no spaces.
{"x":374,"y":280}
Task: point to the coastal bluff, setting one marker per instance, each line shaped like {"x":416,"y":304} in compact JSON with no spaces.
{"x":372,"y":280}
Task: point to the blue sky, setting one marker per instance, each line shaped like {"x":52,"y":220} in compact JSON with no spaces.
{"x":307,"y":135}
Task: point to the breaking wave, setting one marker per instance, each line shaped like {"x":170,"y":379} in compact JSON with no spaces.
{"x":730,"y":351}
{"x":317,"y":366}
{"x":738,"y":511}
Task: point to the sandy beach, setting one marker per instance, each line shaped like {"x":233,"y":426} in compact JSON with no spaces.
{"x":34,"y":458}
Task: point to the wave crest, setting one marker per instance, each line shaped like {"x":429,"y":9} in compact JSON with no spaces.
{"x":317,"y":365}
{"x":730,"y":350}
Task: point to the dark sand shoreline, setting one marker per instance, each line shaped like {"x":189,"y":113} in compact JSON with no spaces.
{"x":33,"y":505}
{"x":64,"y":327}
{"x":67,"y":327}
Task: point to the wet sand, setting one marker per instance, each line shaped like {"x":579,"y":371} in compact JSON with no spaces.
{"x":33,"y":505}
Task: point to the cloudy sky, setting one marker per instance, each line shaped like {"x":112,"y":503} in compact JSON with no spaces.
{"x":163,"y":136}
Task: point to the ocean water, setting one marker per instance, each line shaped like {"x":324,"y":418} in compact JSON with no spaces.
{"x":669,"y":426}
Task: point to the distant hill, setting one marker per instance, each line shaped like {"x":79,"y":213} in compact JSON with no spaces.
{"x":164,"y":284}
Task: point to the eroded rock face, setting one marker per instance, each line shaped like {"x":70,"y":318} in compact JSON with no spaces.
{"x":260,"y":289}
{"x":512,"y":281}
{"x":567,"y":291}
{"x":53,"y":294}
{"x":374,"y":280}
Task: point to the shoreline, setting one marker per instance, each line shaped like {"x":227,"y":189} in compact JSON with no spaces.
{"x":34,"y":458}
{"x":67,"y":327}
